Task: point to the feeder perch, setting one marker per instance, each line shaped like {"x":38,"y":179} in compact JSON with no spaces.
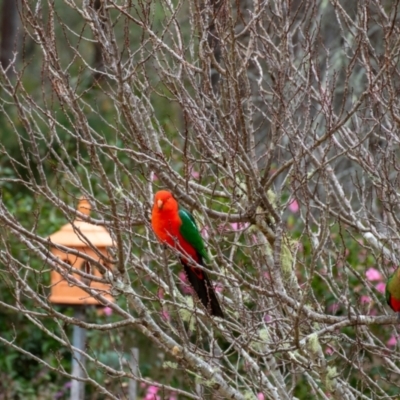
{"x":77,"y":236}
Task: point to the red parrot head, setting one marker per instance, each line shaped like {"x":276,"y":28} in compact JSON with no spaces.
{"x":164,"y":200}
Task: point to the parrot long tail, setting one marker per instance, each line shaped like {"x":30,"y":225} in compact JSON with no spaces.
{"x":202,"y":286}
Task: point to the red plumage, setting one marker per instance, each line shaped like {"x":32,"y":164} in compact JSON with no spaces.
{"x":394,"y":304}
{"x":167,"y":225}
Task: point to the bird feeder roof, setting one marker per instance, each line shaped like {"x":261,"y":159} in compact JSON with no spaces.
{"x":80,"y":233}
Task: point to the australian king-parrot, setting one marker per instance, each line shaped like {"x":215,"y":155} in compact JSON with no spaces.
{"x":393,"y":291}
{"x":176,"y":227}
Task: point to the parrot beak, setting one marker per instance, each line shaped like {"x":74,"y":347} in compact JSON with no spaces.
{"x":160,"y":204}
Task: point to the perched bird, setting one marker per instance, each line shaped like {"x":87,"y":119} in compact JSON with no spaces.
{"x":176,"y":226}
{"x":393,"y":291}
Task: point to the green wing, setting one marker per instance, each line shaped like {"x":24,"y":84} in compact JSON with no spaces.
{"x":190,"y":232}
{"x":387,"y":292}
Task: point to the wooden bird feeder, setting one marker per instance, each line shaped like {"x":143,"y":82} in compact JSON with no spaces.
{"x":77,"y":236}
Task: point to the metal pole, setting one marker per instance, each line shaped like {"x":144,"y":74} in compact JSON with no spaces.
{"x":78,"y":341}
{"x":134,"y":366}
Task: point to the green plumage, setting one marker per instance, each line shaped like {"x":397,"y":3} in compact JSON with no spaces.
{"x":190,"y":232}
{"x":393,"y":286}
{"x":197,"y":277}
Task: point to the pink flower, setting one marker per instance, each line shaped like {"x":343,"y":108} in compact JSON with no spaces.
{"x":186,"y":289}
{"x":365,"y":299}
{"x":165,"y":315}
{"x":380,"y":287}
{"x":260,"y":396}
{"x":373,"y":274}
{"x":195,"y":174}
{"x":183,"y":277}
{"x":107,"y":311}
{"x":153,"y":389}
{"x":329,"y":351}
{"x":333,"y":308}
{"x":152,"y":393}
{"x":153,"y":176}
{"x":267,"y":318}
{"x":222,"y":228}
{"x":151,"y":396}
{"x":237,"y":226}
{"x":392,"y":341}
{"x":204,"y":232}
{"x":294,"y":206}
{"x":218,"y":287}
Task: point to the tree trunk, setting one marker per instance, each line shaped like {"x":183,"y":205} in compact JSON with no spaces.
{"x":9,"y":33}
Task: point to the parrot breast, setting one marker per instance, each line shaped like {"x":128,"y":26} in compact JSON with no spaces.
{"x":166,"y":226}
{"x":394,"y":304}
